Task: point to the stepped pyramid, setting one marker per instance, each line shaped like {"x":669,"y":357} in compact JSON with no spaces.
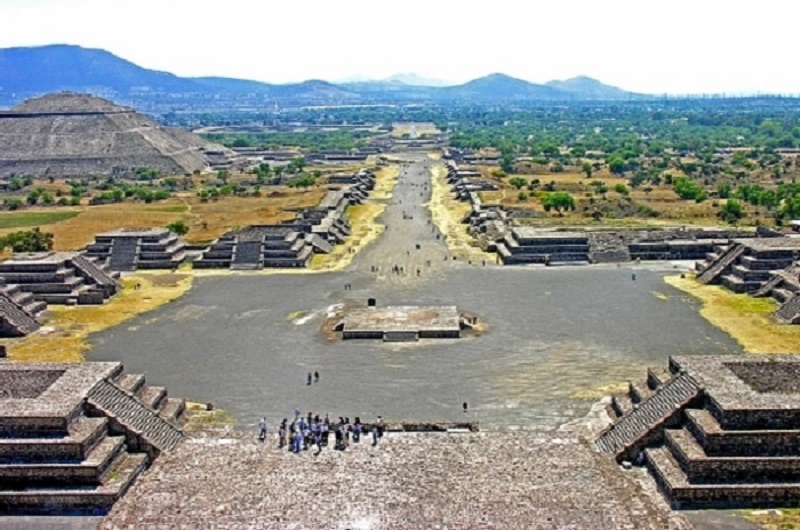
{"x":69,"y":134}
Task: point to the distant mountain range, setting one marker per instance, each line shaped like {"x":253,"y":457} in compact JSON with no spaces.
{"x":26,"y":72}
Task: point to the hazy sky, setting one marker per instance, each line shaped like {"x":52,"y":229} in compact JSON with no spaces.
{"x":653,"y":46}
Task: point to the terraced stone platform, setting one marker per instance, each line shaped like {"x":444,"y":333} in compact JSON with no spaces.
{"x":720,"y":431}
{"x":74,"y":437}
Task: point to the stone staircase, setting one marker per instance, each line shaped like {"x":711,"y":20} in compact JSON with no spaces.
{"x":789,"y":312}
{"x":716,"y":268}
{"x":99,"y":277}
{"x":15,"y":320}
{"x":645,"y":423}
{"x":123,"y":254}
{"x":248,"y":255}
{"x":134,"y":415}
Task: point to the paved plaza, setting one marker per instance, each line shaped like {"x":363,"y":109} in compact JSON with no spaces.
{"x":453,"y":481}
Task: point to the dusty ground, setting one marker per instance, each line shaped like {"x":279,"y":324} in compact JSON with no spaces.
{"x":455,"y":481}
{"x":63,"y":337}
{"x":749,"y":320}
{"x":447,"y":214}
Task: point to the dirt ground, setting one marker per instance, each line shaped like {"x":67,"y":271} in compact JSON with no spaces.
{"x":749,"y":320}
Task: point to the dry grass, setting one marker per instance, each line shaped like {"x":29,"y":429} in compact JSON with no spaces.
{"x":207,"y":220}
{"x":362,"y":222}
{"x":64,"y":336}
{"x":200,"y":418}
{"x":447,"y":213}
{"x":746,"y":319}
{"x":662,"y":199}
{"x":783,"y":519}
{"x":79,"y":231}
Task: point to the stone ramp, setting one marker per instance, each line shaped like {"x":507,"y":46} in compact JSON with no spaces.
{"x":716,"y":268}
{"x":248,"y":255}
{"x":647,"y":421}
{"x":98,"y":275}
{"x":135,"y":416}
{"x":123,"y":254}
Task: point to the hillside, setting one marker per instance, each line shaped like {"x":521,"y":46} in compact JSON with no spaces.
{"x":29,"y":72}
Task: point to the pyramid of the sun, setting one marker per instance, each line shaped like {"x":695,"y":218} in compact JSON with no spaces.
{"x":69,"y":134}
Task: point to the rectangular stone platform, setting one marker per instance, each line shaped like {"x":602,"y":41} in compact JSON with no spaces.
{"x":402,"y":323}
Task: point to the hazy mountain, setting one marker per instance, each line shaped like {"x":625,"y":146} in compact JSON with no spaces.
{"x":26,"y":72}
{"x":412,"y":79}
{"x":501,"y":87}
{"x":588,"y":88}
{"x":64,"y":67}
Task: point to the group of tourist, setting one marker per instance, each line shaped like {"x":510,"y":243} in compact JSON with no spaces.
{"x":310,"y":430}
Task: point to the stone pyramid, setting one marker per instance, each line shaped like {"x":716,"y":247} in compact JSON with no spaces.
{"x":69,"y":135}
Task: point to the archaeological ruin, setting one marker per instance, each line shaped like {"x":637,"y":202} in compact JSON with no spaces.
{"x":130,"y":249}
{"x":294,"y":242}
{"x":60,"y":277}
{"x":70,"y":134}
{"x":402,"y":323}
{"x":19,"y":311}
{"x":714,"y":431}
{"x":75,"y":437}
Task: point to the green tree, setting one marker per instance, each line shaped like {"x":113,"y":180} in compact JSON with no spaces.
{"x":28,"y":241}
{"x":558,"y":201}
{"x":179,"y":227}
{"x":517,"y":182}
{"x":587,"y":169}
{"x":731,"y":212}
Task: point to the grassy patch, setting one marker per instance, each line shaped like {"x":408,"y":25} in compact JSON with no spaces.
{"x":782,"y":519}
{"x":748,"y":320}
{"x":447,"y":213}
{"x":200,"y":418}
{"x":24,"y":219}
{"x":64,"y":338}
{"x":362,"y":217}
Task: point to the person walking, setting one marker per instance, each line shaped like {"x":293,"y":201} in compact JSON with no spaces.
{"x":262,"y":429}
{"x":374,"y":435}
{"x":316,"y":376}
{"x":357,"y":431}
{"x":308,"y":378}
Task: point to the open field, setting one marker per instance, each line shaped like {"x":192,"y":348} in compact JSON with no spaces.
{"x":747,"y":319}
{"x":34,"y":218}
{"x":615,"y":207}
{"x":64,"y":334}
{"x":74,"y":228}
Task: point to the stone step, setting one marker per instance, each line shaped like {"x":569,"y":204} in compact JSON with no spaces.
{"x":83,"y":436}
{"x":152,"y":396}
{"x":685,"y":496}
{"x":173,"y":409}
{"x":703,"y":469}
{"x":658,"y":377}
{"x":639,"y":392}
{"x":96,"y":500}
{"x":87,"y":472}
{"x":132,"y":383}
{"x":718,"y":442}
{"x":621,"y":404}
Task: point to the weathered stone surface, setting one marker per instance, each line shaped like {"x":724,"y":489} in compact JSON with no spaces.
{"x":454,"y":481}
